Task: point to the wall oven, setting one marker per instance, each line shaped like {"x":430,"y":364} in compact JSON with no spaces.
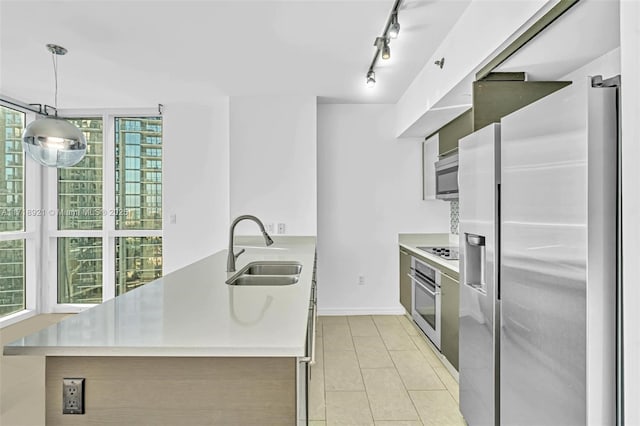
{"x":426,"y":304}
{"x":447,"y":178}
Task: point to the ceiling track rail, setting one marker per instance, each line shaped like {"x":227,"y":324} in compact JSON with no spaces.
{"x":394,"y":10}
{"x":536,"y":28}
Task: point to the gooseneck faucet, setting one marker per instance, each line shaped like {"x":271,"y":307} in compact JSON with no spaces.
{"x":231,"y":258}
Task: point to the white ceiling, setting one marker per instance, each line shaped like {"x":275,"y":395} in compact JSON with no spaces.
{"x":140,"y":53}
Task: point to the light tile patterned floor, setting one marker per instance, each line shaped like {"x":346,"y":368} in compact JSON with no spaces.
{"x":379,"y":371}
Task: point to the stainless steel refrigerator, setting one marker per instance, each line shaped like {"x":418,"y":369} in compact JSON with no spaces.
{"x":538,"y":278}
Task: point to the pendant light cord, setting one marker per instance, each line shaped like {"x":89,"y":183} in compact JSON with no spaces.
{"x":54,"y":59}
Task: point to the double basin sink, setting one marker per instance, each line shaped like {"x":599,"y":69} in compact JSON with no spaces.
{"x":266,"y":273}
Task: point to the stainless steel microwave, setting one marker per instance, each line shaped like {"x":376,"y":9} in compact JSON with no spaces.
{"x":447,"y":178}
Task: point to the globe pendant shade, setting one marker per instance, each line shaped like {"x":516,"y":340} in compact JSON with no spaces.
{"x":54,"y":142}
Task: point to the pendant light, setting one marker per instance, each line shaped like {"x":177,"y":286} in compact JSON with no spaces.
{"x":53,"y":141}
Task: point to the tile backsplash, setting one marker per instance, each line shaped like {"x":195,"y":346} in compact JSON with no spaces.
{"x":454,"y":215}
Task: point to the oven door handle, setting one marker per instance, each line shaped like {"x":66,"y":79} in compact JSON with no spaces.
{"x":422,"y":286}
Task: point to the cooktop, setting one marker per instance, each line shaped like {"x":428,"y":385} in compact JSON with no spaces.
{"x":448,"y":253}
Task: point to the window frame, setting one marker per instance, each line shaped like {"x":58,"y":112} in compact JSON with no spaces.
{"x":31,"y":234}
{"x":108,"y":233}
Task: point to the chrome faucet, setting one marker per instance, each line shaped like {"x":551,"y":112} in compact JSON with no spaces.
{"x":231,"y":258}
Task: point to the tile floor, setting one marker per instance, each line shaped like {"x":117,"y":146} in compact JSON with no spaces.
{"x":379,"y":370}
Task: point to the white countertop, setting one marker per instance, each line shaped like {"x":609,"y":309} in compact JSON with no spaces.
{"x":411,"y":242}
{"x":193,"y":312}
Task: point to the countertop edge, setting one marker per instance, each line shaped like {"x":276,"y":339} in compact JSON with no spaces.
{"x":107,"y":351}
{"x":450,"y":269}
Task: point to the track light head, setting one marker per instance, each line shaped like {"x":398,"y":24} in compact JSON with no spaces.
{"x":394,"y":28}
{"x":382,"y":43}
{"x":371,"y":78}
{"x":386,"y":51}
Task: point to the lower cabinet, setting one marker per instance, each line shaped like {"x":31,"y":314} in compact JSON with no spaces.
{"x":169,"y":391}
{"x":450,"y":318}
{"x":449,"y":302}
{"x":405,"y":281}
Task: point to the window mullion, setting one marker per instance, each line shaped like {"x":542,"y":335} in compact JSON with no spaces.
{"x":108,"y":197}
{"x":49,"y":241}
{"x":33,"y":202}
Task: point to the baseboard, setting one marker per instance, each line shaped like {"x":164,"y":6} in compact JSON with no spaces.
{"x":361,"y":311}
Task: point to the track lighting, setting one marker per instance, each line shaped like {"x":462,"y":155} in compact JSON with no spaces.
{"x":371,"y":78}
{"x":391,"y":30}
{"x":394,"y":29}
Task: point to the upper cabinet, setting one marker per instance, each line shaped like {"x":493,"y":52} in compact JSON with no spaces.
{"x":546,"y":39}
{"x":437,"y":95}
{"x":495,"y":98}
{"x":453,"y":131}
{"x":499,"y":94}
{"x":429,"y":158}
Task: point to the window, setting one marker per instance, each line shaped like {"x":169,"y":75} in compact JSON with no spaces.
{"x":13,"y":232}
{"x":80,"y":270}
{"x":80,"y":204}
{"x":138,"y":261}
{"x":138,"y":175}
{"x":109,"y":211}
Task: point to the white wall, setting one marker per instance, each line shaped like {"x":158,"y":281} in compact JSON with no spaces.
{"x":630,"y":63}
{"x":273,"y":161}
{"x":195,"y":181}
{"x":369,"y":190}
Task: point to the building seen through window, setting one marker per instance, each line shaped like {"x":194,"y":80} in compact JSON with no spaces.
{"x":137,"y":206}
{"x":12,"y":210}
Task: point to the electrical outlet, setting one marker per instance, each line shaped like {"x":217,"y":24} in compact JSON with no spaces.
{"x":73,"y":396}
{"x":281,"y":228}
{"x":360,"y":279}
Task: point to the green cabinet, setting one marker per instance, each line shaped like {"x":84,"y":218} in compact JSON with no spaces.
{"x":494,"y":99}
{"x":452,"y":132}
{"x":450,"y":302}
{"x":497,"y":95}
{"x":405,"y":281}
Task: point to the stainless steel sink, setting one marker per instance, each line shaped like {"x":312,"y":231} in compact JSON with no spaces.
{"x":264,"y":280}
{"x":274,"y":269}
{"x":267,"y":273}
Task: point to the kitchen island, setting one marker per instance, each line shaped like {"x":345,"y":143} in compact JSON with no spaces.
{"x":187,"y":348}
